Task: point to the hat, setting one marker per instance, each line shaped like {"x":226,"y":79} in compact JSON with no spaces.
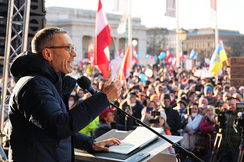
{"x":189,"y":94}
{"x":162,"y":114}
{"x":208,"y":88}
{"x":201,"y":141}
{"x":182,"y":100}
{"x":131,"y":95}
{"x":172,"y":91}
{"x":105,"y":113}
{"x":165,"y":96}
{"x":153,"y":96}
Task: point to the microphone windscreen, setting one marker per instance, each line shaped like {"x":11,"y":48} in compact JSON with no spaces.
{"x":84,"y":82}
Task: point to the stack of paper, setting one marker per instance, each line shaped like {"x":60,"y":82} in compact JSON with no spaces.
{"x":138,"y":138}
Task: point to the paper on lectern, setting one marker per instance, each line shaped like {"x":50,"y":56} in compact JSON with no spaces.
{"x":138,"y":138}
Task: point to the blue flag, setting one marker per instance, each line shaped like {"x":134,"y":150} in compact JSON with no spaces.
{"x":193,"y":54}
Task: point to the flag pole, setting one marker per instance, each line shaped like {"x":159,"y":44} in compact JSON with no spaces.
{"x":177,"y":30}
{"x":216,"y":29}
{"x":129,"y":31}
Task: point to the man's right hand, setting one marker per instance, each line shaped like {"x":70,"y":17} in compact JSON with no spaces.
{"x":113,"y":90}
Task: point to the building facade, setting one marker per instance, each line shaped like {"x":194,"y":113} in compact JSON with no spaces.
{"x":81,"y":27}
{"x":202,"y":40}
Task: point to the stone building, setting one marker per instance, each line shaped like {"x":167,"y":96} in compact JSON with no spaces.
{"x":80,"y":24}
{"x":202,"y":40}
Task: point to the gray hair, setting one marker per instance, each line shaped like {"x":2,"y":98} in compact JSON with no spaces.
{"x":44,"y":38}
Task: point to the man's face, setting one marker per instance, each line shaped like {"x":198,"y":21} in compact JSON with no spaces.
{"x":232,"y":105}
{"x":60,"y":59}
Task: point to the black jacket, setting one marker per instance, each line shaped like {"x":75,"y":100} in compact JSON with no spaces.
{"x":43,"y":127}
{"x":173,"y":120}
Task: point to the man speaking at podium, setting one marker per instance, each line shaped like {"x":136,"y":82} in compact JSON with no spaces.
{"x":43,"y":127}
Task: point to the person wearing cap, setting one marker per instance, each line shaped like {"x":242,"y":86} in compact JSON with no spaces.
{"x":208,"y":92}
{"x":200,"y":150}
{"x":162,"y":123}
{"x":181,"y":106}
{"x":191,"y":127}
{"x":107,"y":123}
{"x":133,"y":106}
{"x":173,"y":117}
{"x":207,"y":125}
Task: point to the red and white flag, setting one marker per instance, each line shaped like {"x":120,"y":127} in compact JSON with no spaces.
{"x":174,"y":62}
{"x":102,"y":41}
{"x":181,"y":55}
{"x":169,"y":59}
{"x":121,"y":53}
{"x":125,"y":65}
{"x":135,"y":59}
{"x":213,"y":9}
{"x":91,"y":53}
{"x":167,"y":53}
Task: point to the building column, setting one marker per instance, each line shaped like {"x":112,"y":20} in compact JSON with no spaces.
{"x":116,"y":46}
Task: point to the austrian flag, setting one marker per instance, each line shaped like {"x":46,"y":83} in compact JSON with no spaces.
{"x":102,"y":41}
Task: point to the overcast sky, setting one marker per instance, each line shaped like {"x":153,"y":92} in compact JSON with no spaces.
{"x":192,"y":13}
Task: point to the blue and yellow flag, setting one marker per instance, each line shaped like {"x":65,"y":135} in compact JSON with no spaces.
{"x":218,"y":57}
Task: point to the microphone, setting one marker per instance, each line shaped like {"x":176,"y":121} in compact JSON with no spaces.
{"x":85,"y":83}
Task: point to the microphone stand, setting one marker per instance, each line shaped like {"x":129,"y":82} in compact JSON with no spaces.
{"x":181,"y":152}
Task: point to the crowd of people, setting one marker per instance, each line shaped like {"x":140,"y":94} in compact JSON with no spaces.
{"x":51,"y":115}
{"x":187,"y":106}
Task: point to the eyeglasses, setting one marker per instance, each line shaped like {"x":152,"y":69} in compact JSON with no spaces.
{"x":70,"y":48}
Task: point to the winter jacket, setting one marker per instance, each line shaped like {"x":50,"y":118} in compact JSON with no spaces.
{"x":43,"y":127}
{"x":173,"y":120}
{"x":229,"y":130}
{"x":136,"y":112}
{"x":206,"y":126}
{"x":188,"y":141}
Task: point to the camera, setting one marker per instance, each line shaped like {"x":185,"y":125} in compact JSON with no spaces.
{"x":238,"y":124}
{"x":220,"y":118}
{"x":154,"y":114}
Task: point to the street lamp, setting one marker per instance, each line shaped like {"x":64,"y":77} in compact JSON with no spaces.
{"x":182,"y":34}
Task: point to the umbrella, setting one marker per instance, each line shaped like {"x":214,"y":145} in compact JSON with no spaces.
{"x":203,"y":73}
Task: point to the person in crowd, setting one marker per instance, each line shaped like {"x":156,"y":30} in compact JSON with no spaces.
{"x":173,"y":117}
{"x":203,"y":102}
{"x":237,"y":96}
{"x":145,"y":113}
{"x":226,"y":95}
{"x":80,"y":93}
{"x":200,"y":150}
{"x":192,"y":122}
{"x":166,"y":129}
{"x":230,"y":116}
{"x":232,"y":90}
{"x":155,"y":98}
{"x":133,"y":106}
{"x":150,"y":91}
{"x":172,"y":98}
{"x":159,"y":90}
{"x":217,"y":93}
{"x":43,"y":126}
{"x":107,"y":123}
{"x":207,"y":125}
{"x":208,"y":92}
